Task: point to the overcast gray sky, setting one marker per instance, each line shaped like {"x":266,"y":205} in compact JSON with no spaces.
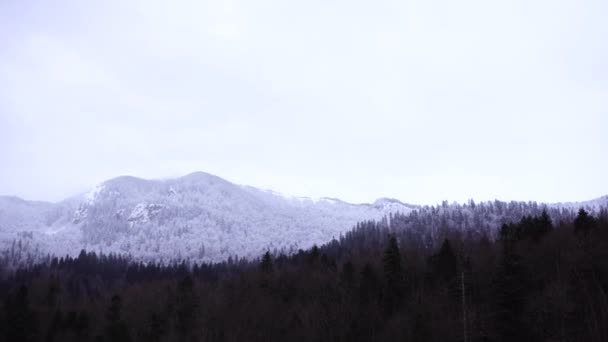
{"x":421,"y":100}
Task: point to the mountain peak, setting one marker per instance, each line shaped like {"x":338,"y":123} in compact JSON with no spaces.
{"x":124,"y":180}
{"x":200,"y":176}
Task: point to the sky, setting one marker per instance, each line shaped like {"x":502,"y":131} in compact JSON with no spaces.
{"x":421,"y":100}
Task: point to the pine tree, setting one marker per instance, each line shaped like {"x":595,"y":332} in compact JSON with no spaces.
{"x":266,"y":264}
{"x":542,"y":226}
{"x":509,"y":290}
{"x":314,"y":256}
{"x":394,"y":277}
{"x":445,"y":263}
{"x":584,"y":223}
{"x":509,"y":233}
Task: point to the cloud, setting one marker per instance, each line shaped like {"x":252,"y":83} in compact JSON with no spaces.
{"x":347,"y":99}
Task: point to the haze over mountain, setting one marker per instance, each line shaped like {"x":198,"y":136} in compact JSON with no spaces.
{"x":198,"y":217}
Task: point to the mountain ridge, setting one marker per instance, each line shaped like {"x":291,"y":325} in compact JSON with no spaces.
{"x":198,"y":175}
{"x":198,"y":216}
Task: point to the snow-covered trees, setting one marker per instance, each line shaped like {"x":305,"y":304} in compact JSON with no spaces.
{"x":199,"y":217}
{"x":204,"y":218}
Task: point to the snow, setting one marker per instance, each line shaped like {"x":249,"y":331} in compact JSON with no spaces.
{"x":329,"y":200}
{"x":143,"y":212}
{"x":94,"y":193}
{"x":160,"y":219}
{"x":200,"y":216}
{"x":139,"y":213}
{"x":591,"y":205}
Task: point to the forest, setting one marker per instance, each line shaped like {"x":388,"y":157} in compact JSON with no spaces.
{"x":540,"y":277}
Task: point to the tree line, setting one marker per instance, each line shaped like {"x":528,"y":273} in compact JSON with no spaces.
{"x":535,"y":280}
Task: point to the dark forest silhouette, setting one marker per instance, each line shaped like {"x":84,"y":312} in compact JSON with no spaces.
{"x":539,"y":279}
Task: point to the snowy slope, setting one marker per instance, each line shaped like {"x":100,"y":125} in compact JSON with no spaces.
{"x":198,"y":216}
{"x":591,"y":205}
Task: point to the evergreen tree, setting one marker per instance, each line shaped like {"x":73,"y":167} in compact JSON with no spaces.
{"x":314,"y":256}
{"x":509,"y":233}
{"x":394,"y":277}
{"x":584,"y":223}
{"x":266,"y":264}
{"x":509,"y":291}
{"x":542,"y":226}
{"x":444,"y":264}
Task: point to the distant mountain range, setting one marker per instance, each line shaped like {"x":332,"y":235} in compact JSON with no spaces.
{"x":199,"y":217}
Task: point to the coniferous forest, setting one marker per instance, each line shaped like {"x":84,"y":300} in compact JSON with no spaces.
{"x":537,"y":279}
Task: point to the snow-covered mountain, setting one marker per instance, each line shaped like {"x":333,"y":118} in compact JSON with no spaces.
{"x":201,"y":217}
{"x":198,"y":216}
